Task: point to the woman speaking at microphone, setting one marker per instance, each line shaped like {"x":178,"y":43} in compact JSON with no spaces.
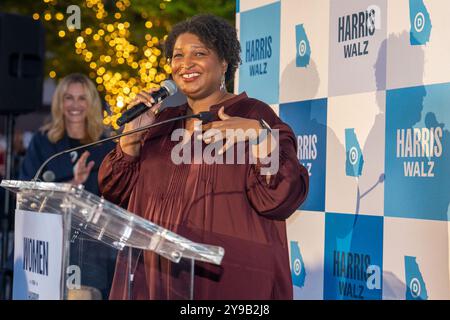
{"x":230,"y":205}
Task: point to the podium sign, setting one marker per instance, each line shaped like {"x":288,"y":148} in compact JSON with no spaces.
{"x":38,"y":248}
{"x":61,"y":231}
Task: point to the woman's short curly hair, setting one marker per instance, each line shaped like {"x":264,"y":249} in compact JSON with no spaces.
{"x":216,"y":33}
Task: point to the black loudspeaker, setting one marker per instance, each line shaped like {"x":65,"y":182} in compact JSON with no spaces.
{"x":22,"y":49}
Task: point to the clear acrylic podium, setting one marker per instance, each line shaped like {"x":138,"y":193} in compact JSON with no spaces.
{"x":94,"y":230}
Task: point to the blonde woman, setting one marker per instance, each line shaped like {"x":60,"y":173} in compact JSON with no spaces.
{"x":76,"y":120}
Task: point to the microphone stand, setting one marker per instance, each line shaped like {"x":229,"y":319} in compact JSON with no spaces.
{"x":203,"y":116}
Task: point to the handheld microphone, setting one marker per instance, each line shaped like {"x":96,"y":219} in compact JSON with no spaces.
{"x":168,"y":88}
{"x":204,"y":116}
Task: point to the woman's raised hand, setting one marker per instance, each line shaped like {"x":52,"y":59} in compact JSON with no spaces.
{"x":130,"y":144}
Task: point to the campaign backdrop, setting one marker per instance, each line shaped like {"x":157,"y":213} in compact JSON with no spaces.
{"x":365,"y":86}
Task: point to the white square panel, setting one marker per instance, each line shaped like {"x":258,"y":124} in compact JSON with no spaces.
{"x":414,"y":65}
{"x":425,"y":241}
{"x":246,"y":5}
{"x":307,"y":229}
{"x":311,"y":81}
{"x":365,"y":114}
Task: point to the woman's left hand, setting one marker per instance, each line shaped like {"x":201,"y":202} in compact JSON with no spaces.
{"x":81,"y":170}
{"x":228,"y":128}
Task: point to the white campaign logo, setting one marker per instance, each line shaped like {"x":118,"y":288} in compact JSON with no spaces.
{"x":297,"y":267}
{"x":353,"y":155}
{"x":419,"y":22}
{"x":73,"y":156}
{"x":302,"y":48}
{"x":415,"y":287}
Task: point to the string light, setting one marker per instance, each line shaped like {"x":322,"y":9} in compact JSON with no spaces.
{"x":120,"y":68}
{"x":59,"y":16}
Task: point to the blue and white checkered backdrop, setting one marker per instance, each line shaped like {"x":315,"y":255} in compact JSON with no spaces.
{"x":365,"y":85}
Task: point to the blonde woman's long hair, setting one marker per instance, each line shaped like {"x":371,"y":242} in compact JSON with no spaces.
{"x":94,"y":121}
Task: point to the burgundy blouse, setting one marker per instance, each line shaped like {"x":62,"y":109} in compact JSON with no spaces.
{"x":228,"y":205}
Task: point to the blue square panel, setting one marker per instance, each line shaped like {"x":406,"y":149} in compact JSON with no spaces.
{"x":308,"y":120}
{"x":417,"y":154}
{"x":260,"y":42}
{"x":353,"y":257}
